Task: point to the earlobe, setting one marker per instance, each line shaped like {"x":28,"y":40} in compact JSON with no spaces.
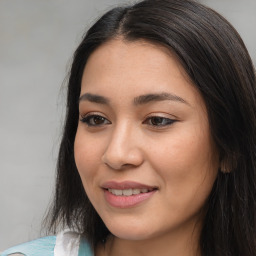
{"x":228,"y":163}
{"x":224,"y":167}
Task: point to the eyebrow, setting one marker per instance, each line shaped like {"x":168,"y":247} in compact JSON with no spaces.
{"x":140,"y":100}
{"x":144,"y":99}
{"x":94,"y":98}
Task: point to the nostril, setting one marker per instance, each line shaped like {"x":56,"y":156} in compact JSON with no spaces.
{"x":118,"y":162}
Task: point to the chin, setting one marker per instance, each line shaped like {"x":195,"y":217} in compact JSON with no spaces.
{"x":131,"y":235}
{"x":129,"y":231}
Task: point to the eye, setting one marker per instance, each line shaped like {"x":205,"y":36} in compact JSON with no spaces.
{"x":159,"y":121}
{"x":94,"y":120}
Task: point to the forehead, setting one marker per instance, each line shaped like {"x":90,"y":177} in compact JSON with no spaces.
{"x":140,"y":55}
{"x":133,"y":69}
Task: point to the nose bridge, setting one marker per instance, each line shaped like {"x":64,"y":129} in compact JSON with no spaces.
{"x":121,"y":133}
{"x":123,"y":147}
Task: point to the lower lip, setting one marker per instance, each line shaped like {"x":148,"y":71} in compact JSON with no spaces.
{"x":126,"y":201}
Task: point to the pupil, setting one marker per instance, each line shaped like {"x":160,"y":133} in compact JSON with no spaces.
{"x":157,"y":120}
{"x":98,"y":120}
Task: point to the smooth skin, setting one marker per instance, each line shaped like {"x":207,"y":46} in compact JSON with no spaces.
{"x":162,"y":141}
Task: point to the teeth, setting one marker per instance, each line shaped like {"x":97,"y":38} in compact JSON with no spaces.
{"x":128,"y":192}
{"x":117,"y":192}
{"x":136,"y":191}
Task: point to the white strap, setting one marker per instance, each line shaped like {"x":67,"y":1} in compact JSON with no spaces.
{"x":67,"y":243}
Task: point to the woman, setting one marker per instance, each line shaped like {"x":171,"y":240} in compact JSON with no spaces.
{"x":158,"y":151}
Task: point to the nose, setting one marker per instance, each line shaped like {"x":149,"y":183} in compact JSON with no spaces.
{"x":123,"y":149}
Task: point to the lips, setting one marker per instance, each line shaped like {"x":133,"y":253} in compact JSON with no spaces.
{"x":127,"y":194}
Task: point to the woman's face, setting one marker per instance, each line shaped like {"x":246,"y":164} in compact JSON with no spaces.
{"x":143,"y":147}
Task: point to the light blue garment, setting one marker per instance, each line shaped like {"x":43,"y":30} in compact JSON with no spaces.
{"x":84,"y":248}
{"x":45,"y":247}
{"x":40,"y":247}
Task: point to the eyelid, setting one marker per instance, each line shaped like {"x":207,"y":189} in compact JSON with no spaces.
{"x":161,"y":114}
{"x":92,"y":113}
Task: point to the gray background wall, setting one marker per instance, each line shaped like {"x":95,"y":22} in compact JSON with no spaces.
{"x":37,"y":39}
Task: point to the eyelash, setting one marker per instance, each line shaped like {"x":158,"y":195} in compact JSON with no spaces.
{"x":87,"y":119}
{"x":167,"y":121}
{"x":91,"y":120}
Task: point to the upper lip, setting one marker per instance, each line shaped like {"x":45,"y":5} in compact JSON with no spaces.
{"x":126,"y":185}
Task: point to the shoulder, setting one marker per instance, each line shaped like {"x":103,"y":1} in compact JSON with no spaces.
{"x":42,"y":246}
{"x":66,"y":243}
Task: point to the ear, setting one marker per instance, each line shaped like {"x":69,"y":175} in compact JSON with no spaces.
{"x":228,"y":163}
{"x":224,"y":166}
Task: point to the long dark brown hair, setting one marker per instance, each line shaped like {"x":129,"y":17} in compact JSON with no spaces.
{"x":217,"y":62}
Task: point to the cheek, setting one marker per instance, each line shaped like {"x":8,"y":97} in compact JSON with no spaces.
{"x":187,"y":164}
{"x":86,"y":157}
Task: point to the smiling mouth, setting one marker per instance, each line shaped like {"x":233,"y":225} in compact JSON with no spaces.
{"x":129,"y":192}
